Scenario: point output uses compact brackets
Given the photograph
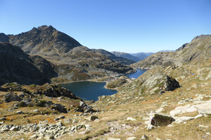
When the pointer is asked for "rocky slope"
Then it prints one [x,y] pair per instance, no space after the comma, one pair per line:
[197,51]
[71,61]
[16,66]
[127,55]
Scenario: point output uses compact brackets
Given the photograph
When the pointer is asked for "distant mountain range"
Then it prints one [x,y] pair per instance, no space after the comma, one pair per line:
[133,56]
[126,55]
[142,55]
[45,48]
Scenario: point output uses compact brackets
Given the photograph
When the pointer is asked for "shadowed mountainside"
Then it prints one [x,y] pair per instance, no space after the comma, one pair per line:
[16,66]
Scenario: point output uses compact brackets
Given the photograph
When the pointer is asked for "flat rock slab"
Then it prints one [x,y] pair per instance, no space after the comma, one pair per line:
[204,107]
[183,119]
[113,139]
[130,119]
[131,138]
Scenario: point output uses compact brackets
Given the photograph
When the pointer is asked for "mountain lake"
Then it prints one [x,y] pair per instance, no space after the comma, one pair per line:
[92,90]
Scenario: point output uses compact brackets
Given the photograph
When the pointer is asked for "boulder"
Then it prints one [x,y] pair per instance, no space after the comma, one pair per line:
[49,137]
[60,117]
[2,119]
[59,108]
[20,112]
[14,128]
[156,119]
[171,84]
[59,124]
[36,110]
[9,97]
[5,128]
[34,136]
[144,137]
[130,119]
[86,107]
[92,118]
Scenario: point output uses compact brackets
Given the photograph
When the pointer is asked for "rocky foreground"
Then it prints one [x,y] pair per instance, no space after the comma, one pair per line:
[169,107]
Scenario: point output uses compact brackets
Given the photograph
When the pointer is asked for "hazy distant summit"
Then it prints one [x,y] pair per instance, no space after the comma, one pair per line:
[142,55]
[126,55]
[133,56]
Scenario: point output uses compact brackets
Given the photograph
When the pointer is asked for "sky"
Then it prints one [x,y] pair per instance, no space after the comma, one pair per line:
[130,26]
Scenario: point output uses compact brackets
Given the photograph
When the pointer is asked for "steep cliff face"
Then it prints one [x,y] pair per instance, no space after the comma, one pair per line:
[197,51]
[16,66]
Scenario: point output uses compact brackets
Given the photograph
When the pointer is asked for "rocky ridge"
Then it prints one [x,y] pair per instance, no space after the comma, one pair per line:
[196,51]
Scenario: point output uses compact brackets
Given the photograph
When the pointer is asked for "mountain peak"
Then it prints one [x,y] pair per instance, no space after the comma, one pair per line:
[43,27]
[44,40]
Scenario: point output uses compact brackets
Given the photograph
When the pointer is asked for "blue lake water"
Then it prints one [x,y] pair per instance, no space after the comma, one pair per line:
[136,74]
[92,90]
[88,90]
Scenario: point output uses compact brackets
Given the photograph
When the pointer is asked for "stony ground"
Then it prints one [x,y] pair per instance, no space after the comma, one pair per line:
[123,116]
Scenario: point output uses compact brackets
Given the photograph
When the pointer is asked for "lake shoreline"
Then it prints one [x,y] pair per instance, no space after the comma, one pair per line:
[87,94]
